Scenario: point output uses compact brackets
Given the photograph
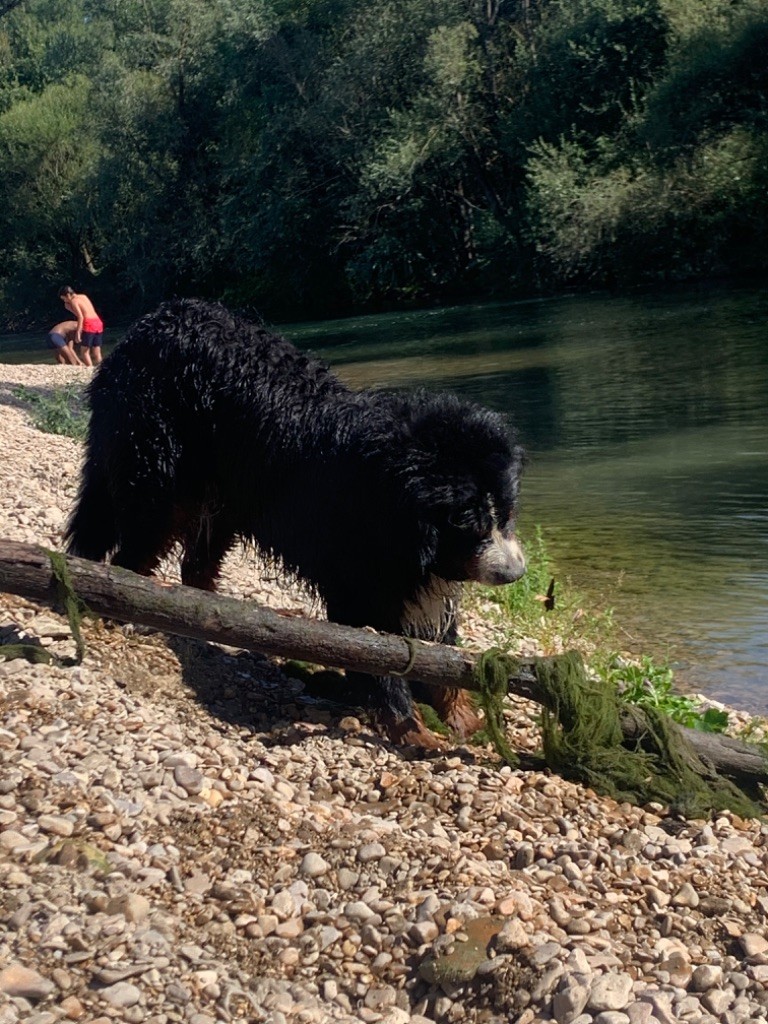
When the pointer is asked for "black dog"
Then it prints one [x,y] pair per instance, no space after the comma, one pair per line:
[207,429]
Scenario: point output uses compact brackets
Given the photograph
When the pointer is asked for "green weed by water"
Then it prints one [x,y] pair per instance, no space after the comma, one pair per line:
[647,684]
[543,607]
[60,411]
[559,618]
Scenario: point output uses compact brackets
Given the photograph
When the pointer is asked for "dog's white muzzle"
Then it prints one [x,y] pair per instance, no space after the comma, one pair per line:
[498,561]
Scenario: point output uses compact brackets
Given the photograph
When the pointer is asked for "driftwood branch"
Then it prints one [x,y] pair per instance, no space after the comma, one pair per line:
[119,594]
[27,571]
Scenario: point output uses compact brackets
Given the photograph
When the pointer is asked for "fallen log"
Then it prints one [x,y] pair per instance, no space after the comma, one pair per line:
[116,593]
[27,571]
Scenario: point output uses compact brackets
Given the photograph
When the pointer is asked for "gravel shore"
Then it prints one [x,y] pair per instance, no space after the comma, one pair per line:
[185,836]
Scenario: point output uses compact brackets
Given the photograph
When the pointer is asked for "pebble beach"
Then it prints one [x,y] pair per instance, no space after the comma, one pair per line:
[187,836]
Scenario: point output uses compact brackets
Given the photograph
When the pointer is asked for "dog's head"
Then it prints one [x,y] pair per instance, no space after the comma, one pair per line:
[458,468]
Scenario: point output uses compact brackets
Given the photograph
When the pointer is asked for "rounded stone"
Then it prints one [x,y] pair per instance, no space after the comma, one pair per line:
[313,865]
[121,995]
[132,906]
[190,779]
[705,977]
[610,992]
[370,852]
[22,982]
[56,824]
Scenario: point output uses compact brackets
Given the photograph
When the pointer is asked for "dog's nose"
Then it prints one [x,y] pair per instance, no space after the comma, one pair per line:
[512,565]
[499,561]
[509,573]
[511,569]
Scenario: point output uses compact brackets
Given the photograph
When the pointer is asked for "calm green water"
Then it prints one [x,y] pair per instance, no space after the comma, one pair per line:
[646,425]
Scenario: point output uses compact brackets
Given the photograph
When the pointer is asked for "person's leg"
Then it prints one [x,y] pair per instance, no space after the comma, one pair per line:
[66,354]
[88,339]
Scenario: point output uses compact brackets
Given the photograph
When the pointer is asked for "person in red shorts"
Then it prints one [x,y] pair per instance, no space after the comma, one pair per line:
[90,328]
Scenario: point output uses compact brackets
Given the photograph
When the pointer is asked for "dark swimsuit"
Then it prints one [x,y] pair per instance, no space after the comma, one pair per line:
[93,328]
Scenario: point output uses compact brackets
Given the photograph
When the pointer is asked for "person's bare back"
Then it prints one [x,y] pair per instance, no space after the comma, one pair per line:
[82,304]
[61,339]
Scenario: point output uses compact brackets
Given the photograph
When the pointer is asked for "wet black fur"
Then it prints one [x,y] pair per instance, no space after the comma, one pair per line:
[207,429]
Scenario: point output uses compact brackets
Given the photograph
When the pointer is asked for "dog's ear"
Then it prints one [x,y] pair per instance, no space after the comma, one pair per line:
[448,453]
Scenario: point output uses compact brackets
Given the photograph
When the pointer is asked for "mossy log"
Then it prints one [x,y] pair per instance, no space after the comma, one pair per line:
[27,571]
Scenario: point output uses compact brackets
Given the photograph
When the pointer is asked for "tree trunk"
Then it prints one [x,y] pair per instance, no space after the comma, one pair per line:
[27,571]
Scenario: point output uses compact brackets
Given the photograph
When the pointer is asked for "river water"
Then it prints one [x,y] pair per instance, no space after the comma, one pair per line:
[646,426]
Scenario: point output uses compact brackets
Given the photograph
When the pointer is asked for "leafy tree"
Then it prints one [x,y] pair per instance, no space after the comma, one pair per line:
[43,42]
[433,211]
[589,67]
[46,217]
[680,189]
[718,78]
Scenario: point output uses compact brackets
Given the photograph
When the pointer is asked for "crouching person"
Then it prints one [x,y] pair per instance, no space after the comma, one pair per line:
[61,339]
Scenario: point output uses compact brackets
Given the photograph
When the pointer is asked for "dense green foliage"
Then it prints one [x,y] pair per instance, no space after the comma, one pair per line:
[313,155]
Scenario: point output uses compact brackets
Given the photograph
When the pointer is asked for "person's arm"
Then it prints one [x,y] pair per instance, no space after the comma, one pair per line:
[73,358]
[77,308]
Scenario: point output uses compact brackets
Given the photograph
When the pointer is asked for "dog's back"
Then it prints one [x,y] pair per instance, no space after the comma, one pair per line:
[193,400]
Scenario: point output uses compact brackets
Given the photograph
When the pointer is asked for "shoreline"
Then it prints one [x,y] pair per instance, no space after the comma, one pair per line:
[185,836]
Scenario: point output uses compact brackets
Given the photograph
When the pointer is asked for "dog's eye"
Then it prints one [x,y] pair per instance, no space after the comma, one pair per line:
[469,522]
[457,520]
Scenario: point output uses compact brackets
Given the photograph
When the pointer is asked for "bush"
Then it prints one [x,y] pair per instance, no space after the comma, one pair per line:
[61,411]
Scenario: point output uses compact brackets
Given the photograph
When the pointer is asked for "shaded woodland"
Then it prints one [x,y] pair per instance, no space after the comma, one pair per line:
[309,157]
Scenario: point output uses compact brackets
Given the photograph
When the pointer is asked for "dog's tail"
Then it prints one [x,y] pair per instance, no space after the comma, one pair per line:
[91,531]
